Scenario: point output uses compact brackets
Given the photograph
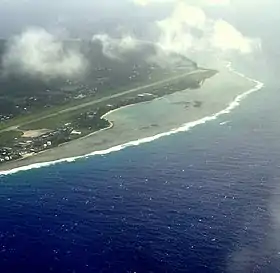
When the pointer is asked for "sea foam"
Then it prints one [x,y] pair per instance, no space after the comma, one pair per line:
[183,128]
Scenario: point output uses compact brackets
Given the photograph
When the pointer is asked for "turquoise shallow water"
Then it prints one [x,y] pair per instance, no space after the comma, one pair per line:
[149,121]
[205,200]
[175,110]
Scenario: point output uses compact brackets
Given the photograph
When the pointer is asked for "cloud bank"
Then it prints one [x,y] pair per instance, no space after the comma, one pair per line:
[36,52]
[115,48]
[189,29]
[192,2]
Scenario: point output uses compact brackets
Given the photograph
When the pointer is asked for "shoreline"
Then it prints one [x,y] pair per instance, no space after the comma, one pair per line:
[181,128]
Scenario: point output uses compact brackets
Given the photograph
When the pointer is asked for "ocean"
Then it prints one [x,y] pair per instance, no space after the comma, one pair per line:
[205,200]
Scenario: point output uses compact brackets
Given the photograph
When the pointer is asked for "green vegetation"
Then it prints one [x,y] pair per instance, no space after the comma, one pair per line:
[73,108]
[22,96]
[158,90]
[7,137]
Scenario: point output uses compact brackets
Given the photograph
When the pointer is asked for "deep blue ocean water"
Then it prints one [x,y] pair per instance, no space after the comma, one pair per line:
[207,200]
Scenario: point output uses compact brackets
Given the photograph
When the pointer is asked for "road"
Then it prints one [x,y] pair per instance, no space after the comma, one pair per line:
[104,99]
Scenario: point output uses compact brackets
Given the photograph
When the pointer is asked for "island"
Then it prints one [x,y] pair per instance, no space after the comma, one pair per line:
[115,103]
[41,114]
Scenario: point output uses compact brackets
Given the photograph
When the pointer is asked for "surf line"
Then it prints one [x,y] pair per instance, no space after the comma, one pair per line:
[183,128]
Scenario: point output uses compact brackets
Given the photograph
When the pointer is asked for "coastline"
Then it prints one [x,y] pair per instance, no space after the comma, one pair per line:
[70,152]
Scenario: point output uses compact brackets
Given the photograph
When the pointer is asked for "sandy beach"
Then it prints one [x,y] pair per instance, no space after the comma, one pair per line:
[148,119]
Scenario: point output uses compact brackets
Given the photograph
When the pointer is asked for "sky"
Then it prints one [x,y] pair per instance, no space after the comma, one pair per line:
[18,14]
[256,18]
[225,27]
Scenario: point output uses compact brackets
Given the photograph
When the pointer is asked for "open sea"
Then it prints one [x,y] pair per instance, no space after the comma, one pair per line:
[206,200]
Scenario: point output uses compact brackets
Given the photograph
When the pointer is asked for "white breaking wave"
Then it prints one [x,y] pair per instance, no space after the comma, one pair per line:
[224,123]
[183,128]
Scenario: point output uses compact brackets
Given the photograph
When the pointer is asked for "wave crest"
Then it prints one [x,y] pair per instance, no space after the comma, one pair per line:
[183,128]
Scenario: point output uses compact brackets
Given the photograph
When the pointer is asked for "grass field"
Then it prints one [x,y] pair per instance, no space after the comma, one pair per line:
[7,137]
[63,118]
[59,116]
[40,113]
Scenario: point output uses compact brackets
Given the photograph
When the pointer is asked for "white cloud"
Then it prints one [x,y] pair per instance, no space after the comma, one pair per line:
[115,48]
[226,37]
[216,2]
[37,52]
[188,28]
[175,32]
[187,31]
[149,2]
[191,2]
